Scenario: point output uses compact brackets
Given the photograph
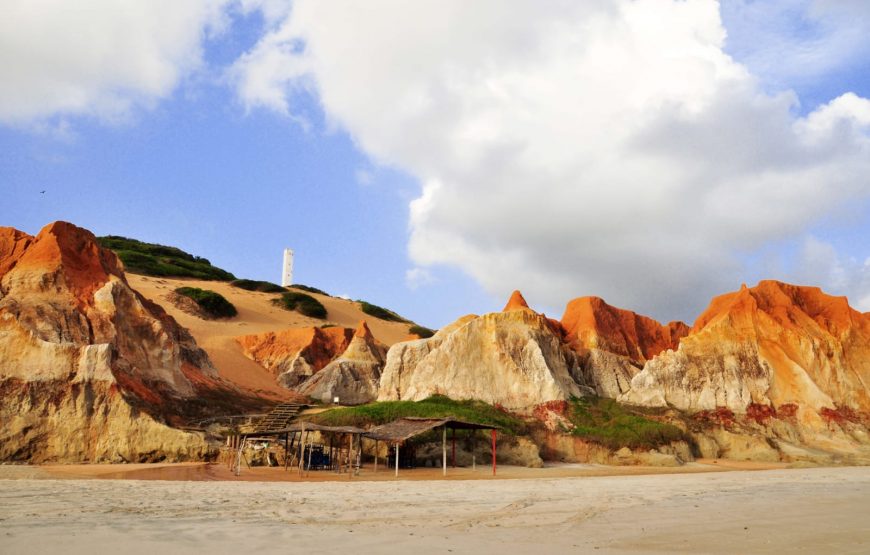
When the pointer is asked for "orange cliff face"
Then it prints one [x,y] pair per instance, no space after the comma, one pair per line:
[774,344]
[69,322]
[296,354]
[591,323]
[516,302]
[69,255]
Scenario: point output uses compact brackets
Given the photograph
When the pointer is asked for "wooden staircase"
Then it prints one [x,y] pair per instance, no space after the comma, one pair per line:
[279,417]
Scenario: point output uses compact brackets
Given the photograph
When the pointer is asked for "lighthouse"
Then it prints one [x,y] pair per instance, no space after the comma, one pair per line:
[287,274]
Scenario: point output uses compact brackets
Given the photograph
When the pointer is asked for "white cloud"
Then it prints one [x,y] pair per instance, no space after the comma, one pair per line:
[418,277]
[602,147]
[819,263]
[97,57]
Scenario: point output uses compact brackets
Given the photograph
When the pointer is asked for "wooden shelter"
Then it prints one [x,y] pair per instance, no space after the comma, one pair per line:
[299,447]
[399,431]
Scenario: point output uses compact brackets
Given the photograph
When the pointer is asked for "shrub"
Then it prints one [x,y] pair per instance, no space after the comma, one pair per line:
[302,303]
[436,406]
[213,304]
[159,260]
[254,285]
[420,331]
[380,312]
[310,289]
[606,422]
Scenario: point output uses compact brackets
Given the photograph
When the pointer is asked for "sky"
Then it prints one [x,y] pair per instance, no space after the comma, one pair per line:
[433,156]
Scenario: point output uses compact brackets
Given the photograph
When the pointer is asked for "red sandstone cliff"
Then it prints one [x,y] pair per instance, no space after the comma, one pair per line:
[296,354]
[771,345]
[89,370]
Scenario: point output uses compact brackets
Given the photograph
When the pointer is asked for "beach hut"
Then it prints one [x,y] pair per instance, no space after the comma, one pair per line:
[298,443]
[399,431]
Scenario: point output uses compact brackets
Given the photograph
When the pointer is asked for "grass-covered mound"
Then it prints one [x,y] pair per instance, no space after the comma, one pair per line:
[437,406]
[302,303]
[159,260]
[380,312]
[420,331]
[211,303]
[606,422]
[310,289]
[261,286]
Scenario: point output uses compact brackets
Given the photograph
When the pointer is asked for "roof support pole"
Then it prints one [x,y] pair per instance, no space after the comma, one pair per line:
[397,459]
[376,457]
[453,436]
[444,451]
[493,452]
[286,450]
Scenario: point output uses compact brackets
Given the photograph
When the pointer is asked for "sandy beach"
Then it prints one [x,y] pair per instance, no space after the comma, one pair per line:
[817,510]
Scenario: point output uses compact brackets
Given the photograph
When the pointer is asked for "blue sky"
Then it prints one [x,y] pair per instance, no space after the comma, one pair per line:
[210,159]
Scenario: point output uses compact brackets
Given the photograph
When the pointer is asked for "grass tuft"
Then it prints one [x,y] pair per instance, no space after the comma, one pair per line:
[261,286]
[436,406]
[213,304]
[606,422]
[310,289]
[302,303]
[380,312]
[420,331]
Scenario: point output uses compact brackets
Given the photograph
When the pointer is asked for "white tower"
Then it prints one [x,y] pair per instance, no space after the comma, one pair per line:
[287,275]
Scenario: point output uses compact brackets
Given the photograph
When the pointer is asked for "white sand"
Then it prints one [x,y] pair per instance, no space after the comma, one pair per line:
[822,510]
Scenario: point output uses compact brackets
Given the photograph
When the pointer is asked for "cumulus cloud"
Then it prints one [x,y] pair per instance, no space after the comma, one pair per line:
[97,57]
[568,148]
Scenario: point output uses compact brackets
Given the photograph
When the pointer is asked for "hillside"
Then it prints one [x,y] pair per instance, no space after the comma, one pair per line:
[256,315]
[160,260]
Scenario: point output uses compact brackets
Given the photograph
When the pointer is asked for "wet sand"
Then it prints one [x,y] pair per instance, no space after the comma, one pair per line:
[819,510]
[212,472]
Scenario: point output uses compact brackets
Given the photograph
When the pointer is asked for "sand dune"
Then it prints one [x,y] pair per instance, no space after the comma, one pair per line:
[257,314]
[779,511]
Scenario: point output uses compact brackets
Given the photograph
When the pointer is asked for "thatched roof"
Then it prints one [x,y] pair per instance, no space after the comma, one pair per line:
[300,426]
[404,429]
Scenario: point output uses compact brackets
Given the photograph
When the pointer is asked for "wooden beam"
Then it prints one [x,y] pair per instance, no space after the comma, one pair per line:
[376,457]
[444,451]
[493,452]
[397,459]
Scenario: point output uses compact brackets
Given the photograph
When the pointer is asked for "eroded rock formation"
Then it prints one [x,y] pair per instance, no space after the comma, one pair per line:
[296,354]
[772,345]
[354,376]
[613,344]
[89,370]
[513,358]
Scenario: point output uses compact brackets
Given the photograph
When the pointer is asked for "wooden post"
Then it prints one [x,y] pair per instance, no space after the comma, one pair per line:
[310,449]
[397,460]
[350,456]
[453,436]
[444,451]
[286,450]
[376,457]
[493,452]
[474,450]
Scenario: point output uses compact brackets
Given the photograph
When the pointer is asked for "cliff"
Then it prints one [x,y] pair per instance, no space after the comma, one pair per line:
[514,358]
[353,377]
[774,345]
[89,370]
[613,344]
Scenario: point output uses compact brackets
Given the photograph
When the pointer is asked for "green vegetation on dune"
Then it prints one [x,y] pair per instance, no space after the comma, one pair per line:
[302,303]
[606,422]
[437,406]
[213,304]
[261,286]
[420,331]
[380,312]
[310,289]
[159,260]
